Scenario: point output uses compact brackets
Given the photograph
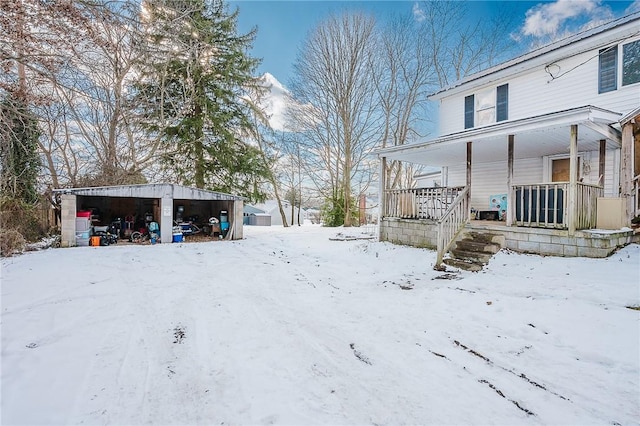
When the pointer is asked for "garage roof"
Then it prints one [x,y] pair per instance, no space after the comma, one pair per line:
[151,190]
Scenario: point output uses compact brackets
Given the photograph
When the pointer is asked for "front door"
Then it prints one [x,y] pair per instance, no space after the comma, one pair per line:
[560,170]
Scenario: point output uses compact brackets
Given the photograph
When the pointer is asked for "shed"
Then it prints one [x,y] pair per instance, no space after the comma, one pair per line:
[251,210]
[165,202]
[260,219]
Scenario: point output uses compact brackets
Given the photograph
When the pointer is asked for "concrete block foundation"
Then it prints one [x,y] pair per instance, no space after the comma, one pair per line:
[547,242]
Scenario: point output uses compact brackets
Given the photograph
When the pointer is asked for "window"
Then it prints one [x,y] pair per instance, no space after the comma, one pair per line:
[486,107]
[468,111]
[631,63]
[502,106]
[608,64]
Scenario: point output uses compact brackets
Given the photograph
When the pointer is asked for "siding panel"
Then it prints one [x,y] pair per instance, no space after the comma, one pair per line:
[491,178]
[566,83]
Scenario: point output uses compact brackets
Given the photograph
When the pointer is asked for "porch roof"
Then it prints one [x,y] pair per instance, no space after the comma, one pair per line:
[631,115]
[537,136]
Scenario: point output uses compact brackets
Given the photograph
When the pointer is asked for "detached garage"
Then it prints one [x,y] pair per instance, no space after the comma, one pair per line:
[166,204]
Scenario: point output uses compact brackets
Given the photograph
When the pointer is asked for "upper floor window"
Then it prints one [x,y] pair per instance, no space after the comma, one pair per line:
[608,67]
[486,107]
[502,105]
[631,63]
[608,64]
[469,111]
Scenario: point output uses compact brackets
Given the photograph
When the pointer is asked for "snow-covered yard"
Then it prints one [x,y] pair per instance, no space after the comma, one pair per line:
[288,327]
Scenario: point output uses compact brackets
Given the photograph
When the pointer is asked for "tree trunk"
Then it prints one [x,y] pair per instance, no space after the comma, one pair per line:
[199,136]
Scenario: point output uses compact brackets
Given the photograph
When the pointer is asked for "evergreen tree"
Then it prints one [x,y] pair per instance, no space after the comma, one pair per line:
[18,151]
[194,94]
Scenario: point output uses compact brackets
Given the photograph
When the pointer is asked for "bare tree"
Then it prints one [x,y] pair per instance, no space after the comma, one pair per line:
[333,82]
[416,57]
[405,74]
[72,61]
[460,46]
[90,98]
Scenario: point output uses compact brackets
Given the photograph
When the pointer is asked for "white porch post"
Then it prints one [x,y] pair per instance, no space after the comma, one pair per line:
[469,155]
[382,185]
[573,179]
[510,206]
[469,165]
[444,174]
[601,161]
[626,170]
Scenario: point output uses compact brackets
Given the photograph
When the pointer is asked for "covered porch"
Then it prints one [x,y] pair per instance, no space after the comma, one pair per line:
[544,173]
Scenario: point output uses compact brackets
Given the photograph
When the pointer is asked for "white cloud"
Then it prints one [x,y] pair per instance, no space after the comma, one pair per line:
[275,103]
[633,7]
[418,13]
[548,20]
[278,104]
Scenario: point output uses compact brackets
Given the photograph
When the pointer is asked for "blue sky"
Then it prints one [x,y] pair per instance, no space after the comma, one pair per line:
[284,25]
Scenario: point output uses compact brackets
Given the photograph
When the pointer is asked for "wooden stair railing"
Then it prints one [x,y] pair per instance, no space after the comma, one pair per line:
[451,223]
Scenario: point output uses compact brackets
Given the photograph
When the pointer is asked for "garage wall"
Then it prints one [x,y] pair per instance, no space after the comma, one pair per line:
[68,220]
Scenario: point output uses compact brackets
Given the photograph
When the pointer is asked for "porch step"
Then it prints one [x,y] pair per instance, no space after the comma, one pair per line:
[486,237]
[478,246]
[474,249]
[472,256]
[463,264]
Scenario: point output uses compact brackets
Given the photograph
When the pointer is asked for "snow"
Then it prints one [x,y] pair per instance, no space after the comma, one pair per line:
[290,327]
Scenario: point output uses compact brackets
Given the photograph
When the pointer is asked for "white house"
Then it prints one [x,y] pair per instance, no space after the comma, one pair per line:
[553,133]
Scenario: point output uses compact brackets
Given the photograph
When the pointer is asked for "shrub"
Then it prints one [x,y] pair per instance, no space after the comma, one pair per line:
[11,242]
[18,217]
[332,211]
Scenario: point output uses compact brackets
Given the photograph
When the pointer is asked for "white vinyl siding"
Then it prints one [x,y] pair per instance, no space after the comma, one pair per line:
[571,83]
[491,178]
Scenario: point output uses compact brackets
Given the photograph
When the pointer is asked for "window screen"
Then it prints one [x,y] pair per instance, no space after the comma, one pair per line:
[502,104]
[607,78]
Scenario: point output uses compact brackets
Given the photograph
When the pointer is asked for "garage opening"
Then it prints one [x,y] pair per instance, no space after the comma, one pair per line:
[125,210]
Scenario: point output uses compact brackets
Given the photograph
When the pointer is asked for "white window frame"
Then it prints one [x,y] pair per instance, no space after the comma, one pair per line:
[621,60]
[486,101]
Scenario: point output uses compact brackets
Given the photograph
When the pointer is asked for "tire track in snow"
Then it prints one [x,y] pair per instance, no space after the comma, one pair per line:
[484,363]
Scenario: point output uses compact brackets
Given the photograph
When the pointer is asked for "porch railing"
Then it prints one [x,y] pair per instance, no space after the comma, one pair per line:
[545,205]
[587,198]
[420,203]
[451,223]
